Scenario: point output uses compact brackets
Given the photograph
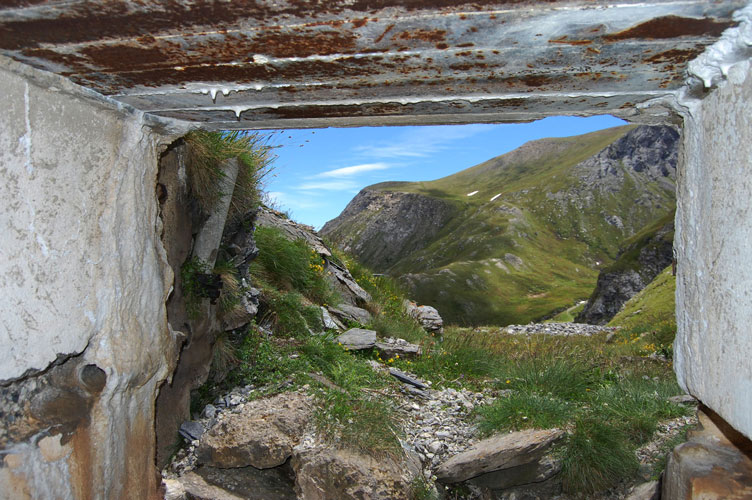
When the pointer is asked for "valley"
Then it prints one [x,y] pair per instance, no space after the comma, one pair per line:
[519,237]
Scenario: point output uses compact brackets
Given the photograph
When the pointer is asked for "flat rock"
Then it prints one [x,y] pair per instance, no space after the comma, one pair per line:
[406,379]
[261,435]
[394,347]
[498,452]
[323,473]
[191,430]
[683,399]
[532,472]
[347,312]
[356,339]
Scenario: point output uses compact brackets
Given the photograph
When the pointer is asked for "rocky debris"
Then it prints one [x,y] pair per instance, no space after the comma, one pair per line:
[323,472]
[357,339]
[650,490]
[714,463]
[649,453]
[438,426]
[346,312]
[497,453]
[407,379]
[391,347]
[564,329]
[427,316]
[261,433]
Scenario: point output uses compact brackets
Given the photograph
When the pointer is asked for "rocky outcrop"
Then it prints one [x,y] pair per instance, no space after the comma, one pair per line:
[379,227]
[642,259]
[337,275]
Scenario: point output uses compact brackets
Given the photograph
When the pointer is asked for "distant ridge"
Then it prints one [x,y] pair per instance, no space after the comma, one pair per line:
[539,223]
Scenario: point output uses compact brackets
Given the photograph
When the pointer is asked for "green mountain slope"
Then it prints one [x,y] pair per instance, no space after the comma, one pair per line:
[530,240]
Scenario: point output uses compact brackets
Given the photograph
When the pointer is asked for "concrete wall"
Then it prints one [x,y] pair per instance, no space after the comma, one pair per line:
[84,282]
[713,349]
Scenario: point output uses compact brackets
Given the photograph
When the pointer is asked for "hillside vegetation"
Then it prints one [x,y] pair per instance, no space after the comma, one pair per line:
[518,237]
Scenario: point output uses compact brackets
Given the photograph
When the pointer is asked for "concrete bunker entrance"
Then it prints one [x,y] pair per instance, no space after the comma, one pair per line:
[90,167]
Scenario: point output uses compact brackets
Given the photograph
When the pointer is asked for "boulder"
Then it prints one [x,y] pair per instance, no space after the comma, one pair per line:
[247,483]
[427,316]
[347,312]
[262,434]
[323,473]
[497,453]
[357,339]
[714,463]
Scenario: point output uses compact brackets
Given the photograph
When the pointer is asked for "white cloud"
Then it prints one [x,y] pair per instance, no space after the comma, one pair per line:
[335,185]
[353,170]
[421,141]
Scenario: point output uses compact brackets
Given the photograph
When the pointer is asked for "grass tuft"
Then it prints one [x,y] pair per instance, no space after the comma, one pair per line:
[596,457]
[523,411]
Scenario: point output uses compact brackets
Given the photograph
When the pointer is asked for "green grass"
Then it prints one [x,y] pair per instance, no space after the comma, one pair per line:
[522,410]
[291,265]
[568,315]
[609,396]
[647,320]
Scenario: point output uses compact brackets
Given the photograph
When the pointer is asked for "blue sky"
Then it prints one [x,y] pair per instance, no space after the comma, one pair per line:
[318,171]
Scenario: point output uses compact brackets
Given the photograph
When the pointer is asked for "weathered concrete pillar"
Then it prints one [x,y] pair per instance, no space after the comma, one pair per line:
[84,281]
[713,348]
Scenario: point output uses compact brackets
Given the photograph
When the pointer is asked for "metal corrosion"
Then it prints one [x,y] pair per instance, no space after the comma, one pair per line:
[264,63]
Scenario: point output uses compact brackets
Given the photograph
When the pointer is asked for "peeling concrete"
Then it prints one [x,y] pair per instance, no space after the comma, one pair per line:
[84,280]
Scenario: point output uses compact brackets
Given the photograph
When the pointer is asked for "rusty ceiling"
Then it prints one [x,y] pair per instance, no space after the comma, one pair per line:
[293,63]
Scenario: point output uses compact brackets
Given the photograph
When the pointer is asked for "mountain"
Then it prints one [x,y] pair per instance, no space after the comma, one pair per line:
[519,236]
[644,256]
